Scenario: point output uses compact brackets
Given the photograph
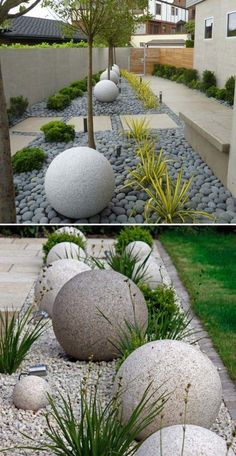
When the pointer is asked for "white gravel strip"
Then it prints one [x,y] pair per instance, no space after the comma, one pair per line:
[64,377]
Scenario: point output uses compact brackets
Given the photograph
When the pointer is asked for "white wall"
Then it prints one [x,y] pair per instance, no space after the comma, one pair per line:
[166,12]
[137,39]
[39,73]
[231,184]
[219,53]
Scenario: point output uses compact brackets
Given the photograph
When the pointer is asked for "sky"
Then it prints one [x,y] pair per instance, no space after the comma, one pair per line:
[38,11]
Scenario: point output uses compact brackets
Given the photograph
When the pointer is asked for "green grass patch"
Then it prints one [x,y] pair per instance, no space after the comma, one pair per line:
[206,263]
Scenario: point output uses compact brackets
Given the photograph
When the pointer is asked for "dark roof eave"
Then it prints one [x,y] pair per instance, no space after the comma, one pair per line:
[41,38]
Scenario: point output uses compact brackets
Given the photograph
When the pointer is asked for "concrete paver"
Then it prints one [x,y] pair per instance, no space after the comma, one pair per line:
[33,124]
[155,121]
[18,142]
[101,123]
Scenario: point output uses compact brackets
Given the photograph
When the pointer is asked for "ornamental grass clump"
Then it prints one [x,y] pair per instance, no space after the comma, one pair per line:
[138,129]
[17,335]
[142,89]
[128,264]
[99,430]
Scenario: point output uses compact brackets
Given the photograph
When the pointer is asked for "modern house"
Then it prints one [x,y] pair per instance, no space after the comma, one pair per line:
[35,30]
[215,37]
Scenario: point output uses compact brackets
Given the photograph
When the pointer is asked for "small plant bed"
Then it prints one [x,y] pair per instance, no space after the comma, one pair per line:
[175,167]
[206,263]
[83,388]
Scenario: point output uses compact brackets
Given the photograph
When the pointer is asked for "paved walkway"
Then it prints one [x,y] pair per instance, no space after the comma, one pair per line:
[206,345]
[180,98]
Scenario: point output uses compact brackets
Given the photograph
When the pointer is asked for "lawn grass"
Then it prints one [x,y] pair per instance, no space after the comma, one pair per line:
[206,263]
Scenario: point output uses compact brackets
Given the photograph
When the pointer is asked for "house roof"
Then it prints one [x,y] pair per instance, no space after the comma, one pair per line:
[26,27]
[166,43]
[190,3]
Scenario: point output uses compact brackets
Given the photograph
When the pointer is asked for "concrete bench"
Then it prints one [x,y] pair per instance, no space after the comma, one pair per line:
[210,137]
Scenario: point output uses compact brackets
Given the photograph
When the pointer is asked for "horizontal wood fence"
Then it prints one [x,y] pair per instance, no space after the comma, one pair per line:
[179,57]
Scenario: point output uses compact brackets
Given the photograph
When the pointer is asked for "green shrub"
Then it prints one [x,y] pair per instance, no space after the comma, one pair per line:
[220,94]
[82,85]
[180,79]
[190,75]
[56,238]
[199,86]
[230,90]
[16,338]
[208,79]
[28,159]
[211,92]
[18,106]
[58,102]
[130,234]
[162,299]
[193,84]
[189,43]
[57,131]
[72,92]
[180,71]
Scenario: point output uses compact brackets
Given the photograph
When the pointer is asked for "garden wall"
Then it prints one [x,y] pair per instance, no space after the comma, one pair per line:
[179,57]
[38,73]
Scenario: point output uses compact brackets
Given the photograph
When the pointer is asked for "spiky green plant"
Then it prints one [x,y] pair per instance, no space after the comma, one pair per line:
[128,264]
[99,431]
[138,129]
[17,337]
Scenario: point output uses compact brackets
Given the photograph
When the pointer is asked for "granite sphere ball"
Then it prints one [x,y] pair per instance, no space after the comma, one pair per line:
[91,309]
[113,76]
[53,278]
[198,441]
[30,393]
[153,271]
[139,248]
[73,231]
[106,91]
[116,70]
[176,368]
[65,250]
[79,183]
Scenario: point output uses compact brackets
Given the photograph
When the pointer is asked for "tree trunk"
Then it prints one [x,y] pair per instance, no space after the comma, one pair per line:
[109,60]
[114,58]
[91,141]
[7,191]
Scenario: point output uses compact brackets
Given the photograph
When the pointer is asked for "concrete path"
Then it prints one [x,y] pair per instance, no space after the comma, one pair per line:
[180,98]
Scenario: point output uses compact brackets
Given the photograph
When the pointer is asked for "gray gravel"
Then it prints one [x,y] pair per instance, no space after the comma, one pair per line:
[207,192]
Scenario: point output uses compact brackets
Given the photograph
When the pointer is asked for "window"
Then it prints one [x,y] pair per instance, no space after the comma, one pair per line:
[176,11]
[209,27]
[231,24]
[172,11]
[158,9]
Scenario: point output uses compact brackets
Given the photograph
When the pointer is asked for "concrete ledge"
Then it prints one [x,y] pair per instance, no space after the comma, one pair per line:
[211,147]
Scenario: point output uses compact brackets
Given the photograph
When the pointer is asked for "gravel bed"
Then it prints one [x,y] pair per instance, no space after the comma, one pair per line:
[127,205]
[64,377]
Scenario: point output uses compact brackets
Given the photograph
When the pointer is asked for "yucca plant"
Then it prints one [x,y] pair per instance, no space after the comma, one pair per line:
[99,430]
[138,129]
[17,337]
[151,167]
[168,200]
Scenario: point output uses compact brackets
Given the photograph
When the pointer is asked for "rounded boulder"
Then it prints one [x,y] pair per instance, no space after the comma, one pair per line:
[175,368]
[152,272]
[52,278]
[30,393]
[79,183]
[198,441]
[113,76]
[91,309]
[139,249]
[116,69]
[106,91]
[65,250]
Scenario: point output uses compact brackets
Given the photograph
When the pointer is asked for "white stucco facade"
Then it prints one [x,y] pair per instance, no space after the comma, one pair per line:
[167,10]
[218,53]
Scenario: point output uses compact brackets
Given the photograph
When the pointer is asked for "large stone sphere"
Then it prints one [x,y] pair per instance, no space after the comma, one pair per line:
[65,250]
[152,269]
[116,70]
[53,278]
[30,393]
[171,366]
[106,91]
[139,248]
[113,76]
[73,231]
[79,182]
[90,310]
[198,441]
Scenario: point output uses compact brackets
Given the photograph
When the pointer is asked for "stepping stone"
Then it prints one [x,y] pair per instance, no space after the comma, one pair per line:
[156,121]
[101,123]
[18,142]
[33,124]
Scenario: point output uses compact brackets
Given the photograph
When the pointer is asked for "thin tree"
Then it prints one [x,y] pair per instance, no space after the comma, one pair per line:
[90,16]
[7,192]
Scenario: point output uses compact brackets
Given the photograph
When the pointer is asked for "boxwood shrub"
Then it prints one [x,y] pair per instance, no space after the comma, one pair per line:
[208,79]
[130,234]
[17,108]
[56,238]
[81,85]
[72,92]
[57,131]
[211,92]
[230,90]
[28,159]
[58,102]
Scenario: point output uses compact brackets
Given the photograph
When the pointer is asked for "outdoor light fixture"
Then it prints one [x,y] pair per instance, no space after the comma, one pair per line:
[160,97]
[85,125]
[118,151]
[140,79]
[40,370]
[119,89]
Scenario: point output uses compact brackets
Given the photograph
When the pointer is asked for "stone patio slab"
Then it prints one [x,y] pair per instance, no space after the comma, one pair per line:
[101,123]
[156,121]
[33,124]
[18,142]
